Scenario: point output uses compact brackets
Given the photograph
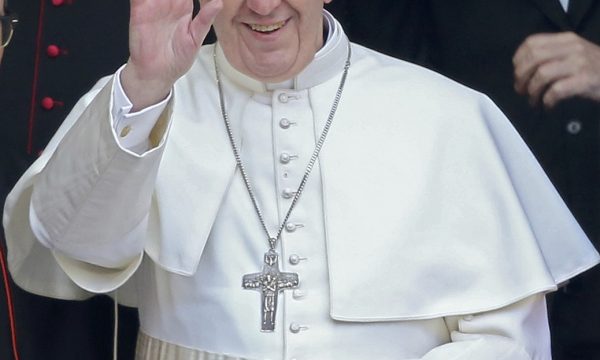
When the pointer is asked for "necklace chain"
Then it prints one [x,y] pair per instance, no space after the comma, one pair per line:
[238,159]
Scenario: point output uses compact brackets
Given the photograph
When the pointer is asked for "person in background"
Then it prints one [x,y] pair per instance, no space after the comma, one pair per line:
[7,26]
[8,344]
[48,66]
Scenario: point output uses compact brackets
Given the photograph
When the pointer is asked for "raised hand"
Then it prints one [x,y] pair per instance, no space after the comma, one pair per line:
[163,43]
[552,67]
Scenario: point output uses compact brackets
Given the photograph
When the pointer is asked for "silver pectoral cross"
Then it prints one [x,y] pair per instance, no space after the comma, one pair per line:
[270,282]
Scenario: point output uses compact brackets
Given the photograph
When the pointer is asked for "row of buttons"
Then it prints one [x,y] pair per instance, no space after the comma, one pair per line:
[53,51]
[285,158]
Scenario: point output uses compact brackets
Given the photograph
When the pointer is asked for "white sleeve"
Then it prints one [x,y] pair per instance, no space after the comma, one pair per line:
[90,203]
[132,130]
[519,331]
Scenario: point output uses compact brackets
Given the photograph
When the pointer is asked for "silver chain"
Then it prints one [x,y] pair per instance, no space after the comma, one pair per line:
[238,159]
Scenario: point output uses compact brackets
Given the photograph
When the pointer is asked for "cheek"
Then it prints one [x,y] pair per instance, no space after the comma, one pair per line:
[224,24]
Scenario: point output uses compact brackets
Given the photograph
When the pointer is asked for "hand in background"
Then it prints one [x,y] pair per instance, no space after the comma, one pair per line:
[552,67]
[163,43]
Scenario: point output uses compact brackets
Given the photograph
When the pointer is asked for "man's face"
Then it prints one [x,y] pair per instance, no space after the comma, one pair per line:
[270,40]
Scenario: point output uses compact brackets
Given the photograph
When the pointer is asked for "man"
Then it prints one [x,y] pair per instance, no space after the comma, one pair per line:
[409,235]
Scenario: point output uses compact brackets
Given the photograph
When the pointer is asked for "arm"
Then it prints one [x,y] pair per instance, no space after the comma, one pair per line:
[550,68]
[516,332]
[90,203]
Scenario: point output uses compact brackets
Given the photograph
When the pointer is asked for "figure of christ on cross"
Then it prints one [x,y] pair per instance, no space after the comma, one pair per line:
[270,282]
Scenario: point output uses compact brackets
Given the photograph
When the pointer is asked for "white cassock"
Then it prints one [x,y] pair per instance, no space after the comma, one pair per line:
[426,231]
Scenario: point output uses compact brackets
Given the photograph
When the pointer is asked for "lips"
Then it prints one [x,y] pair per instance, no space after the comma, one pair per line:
[267,28]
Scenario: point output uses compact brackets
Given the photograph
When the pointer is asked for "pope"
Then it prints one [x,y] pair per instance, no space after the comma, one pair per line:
[287,194]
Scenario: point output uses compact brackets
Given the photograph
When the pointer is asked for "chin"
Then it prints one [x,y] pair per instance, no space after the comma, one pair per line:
[273,74]
[272,71]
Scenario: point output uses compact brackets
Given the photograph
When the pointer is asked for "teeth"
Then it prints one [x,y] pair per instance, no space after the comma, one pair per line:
[267,28]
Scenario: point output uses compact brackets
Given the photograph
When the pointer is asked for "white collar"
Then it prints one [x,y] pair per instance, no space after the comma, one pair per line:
[328,61]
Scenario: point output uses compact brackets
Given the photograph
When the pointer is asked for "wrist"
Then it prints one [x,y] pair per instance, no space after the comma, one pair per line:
[143,91]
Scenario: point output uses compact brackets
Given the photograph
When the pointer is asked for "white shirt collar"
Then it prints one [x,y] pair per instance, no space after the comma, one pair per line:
[328,61]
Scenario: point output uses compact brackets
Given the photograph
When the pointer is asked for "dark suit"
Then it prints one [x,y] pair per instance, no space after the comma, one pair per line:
[473,41]
[91,40]
[392,27]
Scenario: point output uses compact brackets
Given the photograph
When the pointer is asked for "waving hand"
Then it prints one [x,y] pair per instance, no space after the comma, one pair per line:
[163,42]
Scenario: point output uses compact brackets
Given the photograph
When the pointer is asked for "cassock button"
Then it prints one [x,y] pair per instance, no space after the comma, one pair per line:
[295,328]
[294,259]
[47,103]
[53,51]
[574,127]
[284,123]
[288,193]
[283,98]
[298,294]
[290,227]
[284,158]
[58,2]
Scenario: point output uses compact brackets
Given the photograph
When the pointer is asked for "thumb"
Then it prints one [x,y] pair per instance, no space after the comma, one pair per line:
[201,24]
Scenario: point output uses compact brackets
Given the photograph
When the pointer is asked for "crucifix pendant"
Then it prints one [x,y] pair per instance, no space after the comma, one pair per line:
[270,282]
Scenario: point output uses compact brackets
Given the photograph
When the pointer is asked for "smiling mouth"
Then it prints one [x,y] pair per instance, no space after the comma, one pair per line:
[267,28]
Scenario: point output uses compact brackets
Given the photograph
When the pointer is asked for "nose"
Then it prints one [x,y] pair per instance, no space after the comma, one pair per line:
[263,7]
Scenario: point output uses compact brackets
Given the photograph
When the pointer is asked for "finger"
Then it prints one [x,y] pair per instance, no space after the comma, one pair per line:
[561,90]
[546,75]
[203,21]
[523,73]
[535,51]
[545,46]
[579,85]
